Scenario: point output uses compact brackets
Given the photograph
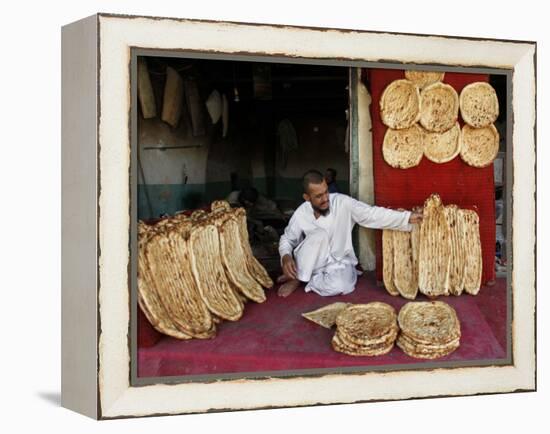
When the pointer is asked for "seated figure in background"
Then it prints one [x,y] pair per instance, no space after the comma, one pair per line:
[262,214]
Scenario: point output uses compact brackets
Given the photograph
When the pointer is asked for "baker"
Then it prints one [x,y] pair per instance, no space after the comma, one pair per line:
[316,246]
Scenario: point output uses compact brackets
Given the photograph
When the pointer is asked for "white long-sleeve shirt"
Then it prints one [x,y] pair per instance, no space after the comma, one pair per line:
[344,213]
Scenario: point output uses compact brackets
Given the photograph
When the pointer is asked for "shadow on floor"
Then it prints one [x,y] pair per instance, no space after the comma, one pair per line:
[53,398]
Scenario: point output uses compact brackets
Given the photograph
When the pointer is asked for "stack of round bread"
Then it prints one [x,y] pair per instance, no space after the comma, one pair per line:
[195,271]
[366,329]
[429,330]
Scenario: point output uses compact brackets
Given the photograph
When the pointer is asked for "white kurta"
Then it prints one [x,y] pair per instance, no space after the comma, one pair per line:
[322,247]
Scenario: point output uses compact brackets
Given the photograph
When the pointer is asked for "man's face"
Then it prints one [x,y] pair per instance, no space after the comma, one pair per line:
[317,195]
[328,176]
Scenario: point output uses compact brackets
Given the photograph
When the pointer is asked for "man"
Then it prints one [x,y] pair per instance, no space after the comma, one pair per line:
[316,246]
[264,219]
[256,205]
[330,178]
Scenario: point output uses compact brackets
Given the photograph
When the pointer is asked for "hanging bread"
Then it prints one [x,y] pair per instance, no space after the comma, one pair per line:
[402,149]
[479,104]
[400,104]
[424,78]
[439,107]
[441,147]
[479,146]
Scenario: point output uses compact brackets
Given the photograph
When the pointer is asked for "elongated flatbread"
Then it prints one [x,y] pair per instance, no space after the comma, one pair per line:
[169,261]
[234,259]
[479,104]
[479,146]
[403,148]
[435,249]
[415,248]
[400,104]
[220,205]
[198,215]
[441,147]
[148,297]
[473,256]
[439,107]
[457,264]
[424,78]
[215,289]
[387,262]
[254,267]
[404,277]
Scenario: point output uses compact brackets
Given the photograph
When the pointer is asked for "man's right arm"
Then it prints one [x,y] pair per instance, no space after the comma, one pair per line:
[287,243]
[290,238]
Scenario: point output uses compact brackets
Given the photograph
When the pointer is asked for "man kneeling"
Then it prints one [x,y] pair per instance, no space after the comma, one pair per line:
[316,246]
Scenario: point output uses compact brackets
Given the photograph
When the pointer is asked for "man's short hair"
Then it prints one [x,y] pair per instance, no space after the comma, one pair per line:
[312,177]
[333,171]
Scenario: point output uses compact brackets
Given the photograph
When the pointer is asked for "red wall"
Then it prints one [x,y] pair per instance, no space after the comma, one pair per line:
[455,181]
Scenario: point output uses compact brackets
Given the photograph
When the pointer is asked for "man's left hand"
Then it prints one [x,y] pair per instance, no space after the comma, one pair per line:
[416,217]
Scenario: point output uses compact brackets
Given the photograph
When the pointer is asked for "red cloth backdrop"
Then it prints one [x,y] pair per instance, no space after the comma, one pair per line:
[455,181]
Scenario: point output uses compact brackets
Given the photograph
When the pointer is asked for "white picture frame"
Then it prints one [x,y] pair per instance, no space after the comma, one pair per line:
[96,212]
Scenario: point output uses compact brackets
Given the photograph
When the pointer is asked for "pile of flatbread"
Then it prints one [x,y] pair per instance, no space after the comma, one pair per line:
[441,256]
[428,330]
[421,114]
[195,271]
[366,329]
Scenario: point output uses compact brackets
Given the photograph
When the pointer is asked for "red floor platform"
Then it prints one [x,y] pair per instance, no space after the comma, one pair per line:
[273,336]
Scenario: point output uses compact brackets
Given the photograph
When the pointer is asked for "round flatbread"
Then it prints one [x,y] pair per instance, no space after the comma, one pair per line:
[479,104]
[402,149]
[400,104]
[428,348]
[441,147]
[429,322]
[424,78]
[415,351]
[439,107]
[367,324]
[479,146]
[377,350]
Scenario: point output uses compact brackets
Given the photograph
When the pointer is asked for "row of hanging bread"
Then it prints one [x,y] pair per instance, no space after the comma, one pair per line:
[178,92]
[421,114]
[440,256]
[195,271]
